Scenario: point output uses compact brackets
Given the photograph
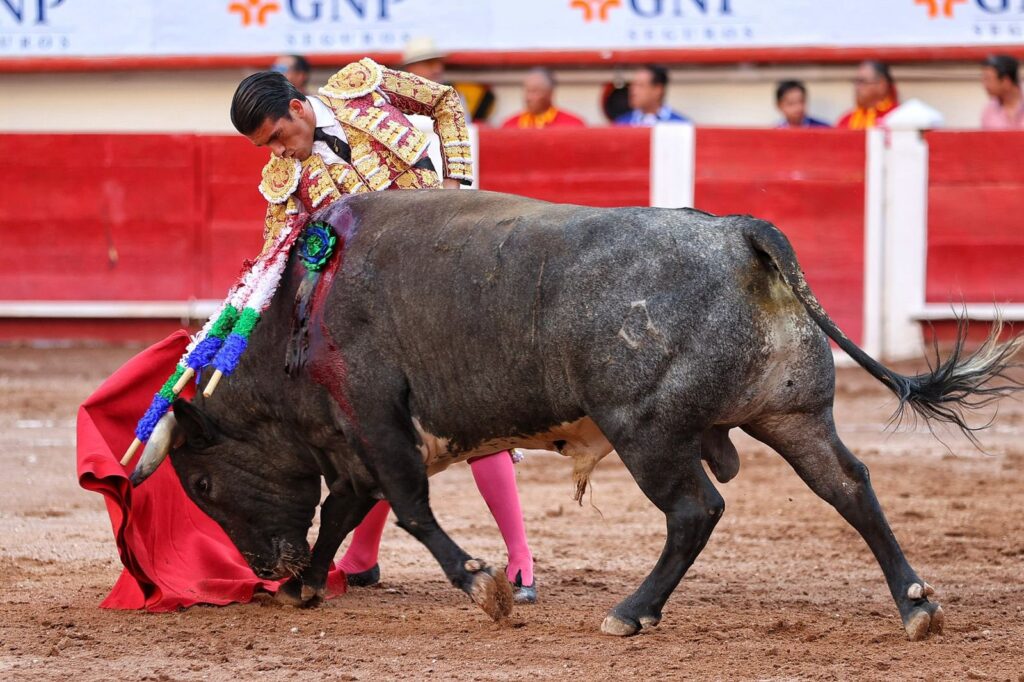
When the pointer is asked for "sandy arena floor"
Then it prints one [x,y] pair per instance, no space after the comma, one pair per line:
[784,589]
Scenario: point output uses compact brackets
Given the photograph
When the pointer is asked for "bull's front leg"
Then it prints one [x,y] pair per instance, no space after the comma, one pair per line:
[391,456]
[339,515]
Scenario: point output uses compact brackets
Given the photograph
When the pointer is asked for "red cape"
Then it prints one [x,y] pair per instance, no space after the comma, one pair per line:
[174,555]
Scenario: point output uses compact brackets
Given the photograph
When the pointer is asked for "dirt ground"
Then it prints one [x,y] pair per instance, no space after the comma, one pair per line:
[784,589]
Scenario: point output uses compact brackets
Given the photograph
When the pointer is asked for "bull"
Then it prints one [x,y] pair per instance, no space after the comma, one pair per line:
[459,324]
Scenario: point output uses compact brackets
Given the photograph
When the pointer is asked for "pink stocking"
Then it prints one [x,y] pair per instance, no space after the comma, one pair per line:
[495,477]
[362,553]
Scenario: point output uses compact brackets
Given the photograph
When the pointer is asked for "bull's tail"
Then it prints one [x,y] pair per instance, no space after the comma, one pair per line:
[954,385]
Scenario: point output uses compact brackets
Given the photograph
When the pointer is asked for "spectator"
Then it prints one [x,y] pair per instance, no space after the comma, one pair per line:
[1005,111]
[791,99]
[875,95]
[538,90]
[647,99]
[615,99]
[421,57]
[295,68]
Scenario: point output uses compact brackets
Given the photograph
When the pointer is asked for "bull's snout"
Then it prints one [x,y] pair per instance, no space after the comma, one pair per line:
[274,573]
[285,559]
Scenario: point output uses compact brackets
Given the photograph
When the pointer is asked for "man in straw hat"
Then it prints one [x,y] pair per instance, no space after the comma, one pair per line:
[421,57]
[355,137]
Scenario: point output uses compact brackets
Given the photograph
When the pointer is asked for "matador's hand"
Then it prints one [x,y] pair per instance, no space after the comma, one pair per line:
[450,183]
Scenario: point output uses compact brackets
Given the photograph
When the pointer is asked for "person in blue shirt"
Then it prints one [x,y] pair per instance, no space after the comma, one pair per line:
[791,99]
[647,99]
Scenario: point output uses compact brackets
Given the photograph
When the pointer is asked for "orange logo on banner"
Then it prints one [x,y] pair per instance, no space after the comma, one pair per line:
[934,6]
[254,11]
[595,8]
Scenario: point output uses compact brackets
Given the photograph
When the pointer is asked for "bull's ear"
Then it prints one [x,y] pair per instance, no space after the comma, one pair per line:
[200,431]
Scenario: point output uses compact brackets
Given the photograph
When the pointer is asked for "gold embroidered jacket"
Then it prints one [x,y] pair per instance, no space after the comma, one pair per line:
[370,103]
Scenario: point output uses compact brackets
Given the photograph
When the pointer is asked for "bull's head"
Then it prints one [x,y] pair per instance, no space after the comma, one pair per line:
[261,496]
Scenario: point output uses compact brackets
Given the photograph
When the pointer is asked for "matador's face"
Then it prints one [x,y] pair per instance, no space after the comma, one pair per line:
[291,136]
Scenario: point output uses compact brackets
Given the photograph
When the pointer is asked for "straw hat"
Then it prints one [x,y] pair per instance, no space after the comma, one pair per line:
[420,50]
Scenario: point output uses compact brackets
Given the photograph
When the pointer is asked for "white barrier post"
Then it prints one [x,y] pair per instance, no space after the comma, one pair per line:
[874,241]
[673,146]
[905,243]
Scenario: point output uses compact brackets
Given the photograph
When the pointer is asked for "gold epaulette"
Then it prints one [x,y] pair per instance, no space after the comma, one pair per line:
[355,80]
[280,179]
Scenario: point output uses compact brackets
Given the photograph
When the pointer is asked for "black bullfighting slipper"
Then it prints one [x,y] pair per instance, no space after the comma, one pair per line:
[370,576]
[523,594]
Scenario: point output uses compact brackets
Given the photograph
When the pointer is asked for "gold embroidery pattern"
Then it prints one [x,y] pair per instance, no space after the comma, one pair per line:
[317,186]
[347,179]
[384,124]
[423,94]
[272,224]
[280,178]
[417,178]
[358,79]
[414,95]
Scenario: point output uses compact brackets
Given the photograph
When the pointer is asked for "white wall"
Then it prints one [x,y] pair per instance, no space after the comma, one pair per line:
[198,100]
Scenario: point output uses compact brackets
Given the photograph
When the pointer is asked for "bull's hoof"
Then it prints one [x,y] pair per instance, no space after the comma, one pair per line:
[491,593]
[627,619]
[309,593]
[294,593]
[618,627]
[649,621]
[926,619]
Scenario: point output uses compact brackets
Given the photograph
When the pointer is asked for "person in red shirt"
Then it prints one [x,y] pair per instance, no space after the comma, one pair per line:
[875,93]
[539,88]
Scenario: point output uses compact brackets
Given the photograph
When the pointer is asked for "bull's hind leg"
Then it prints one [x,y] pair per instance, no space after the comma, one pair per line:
[669,471]
[811,446]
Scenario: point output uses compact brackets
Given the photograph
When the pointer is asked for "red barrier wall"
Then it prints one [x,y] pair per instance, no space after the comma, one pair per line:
[809,183]
[172,217]
[126,217]
[589,166]
[233,209]
[975,217]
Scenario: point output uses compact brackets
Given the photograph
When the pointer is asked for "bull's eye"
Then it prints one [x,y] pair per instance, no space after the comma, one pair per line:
[202,485]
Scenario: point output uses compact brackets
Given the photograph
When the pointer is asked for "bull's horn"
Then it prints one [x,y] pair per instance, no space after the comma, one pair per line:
[157,447]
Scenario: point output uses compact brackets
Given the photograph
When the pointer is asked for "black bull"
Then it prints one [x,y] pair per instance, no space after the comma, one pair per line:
[464,323]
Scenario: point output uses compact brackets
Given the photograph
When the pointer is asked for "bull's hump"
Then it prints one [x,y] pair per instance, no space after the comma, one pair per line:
[581,440]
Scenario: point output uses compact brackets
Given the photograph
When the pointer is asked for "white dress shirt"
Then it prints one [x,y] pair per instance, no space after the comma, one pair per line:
[325,119]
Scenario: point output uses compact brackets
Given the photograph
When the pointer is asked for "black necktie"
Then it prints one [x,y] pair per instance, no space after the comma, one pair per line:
[337,145]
